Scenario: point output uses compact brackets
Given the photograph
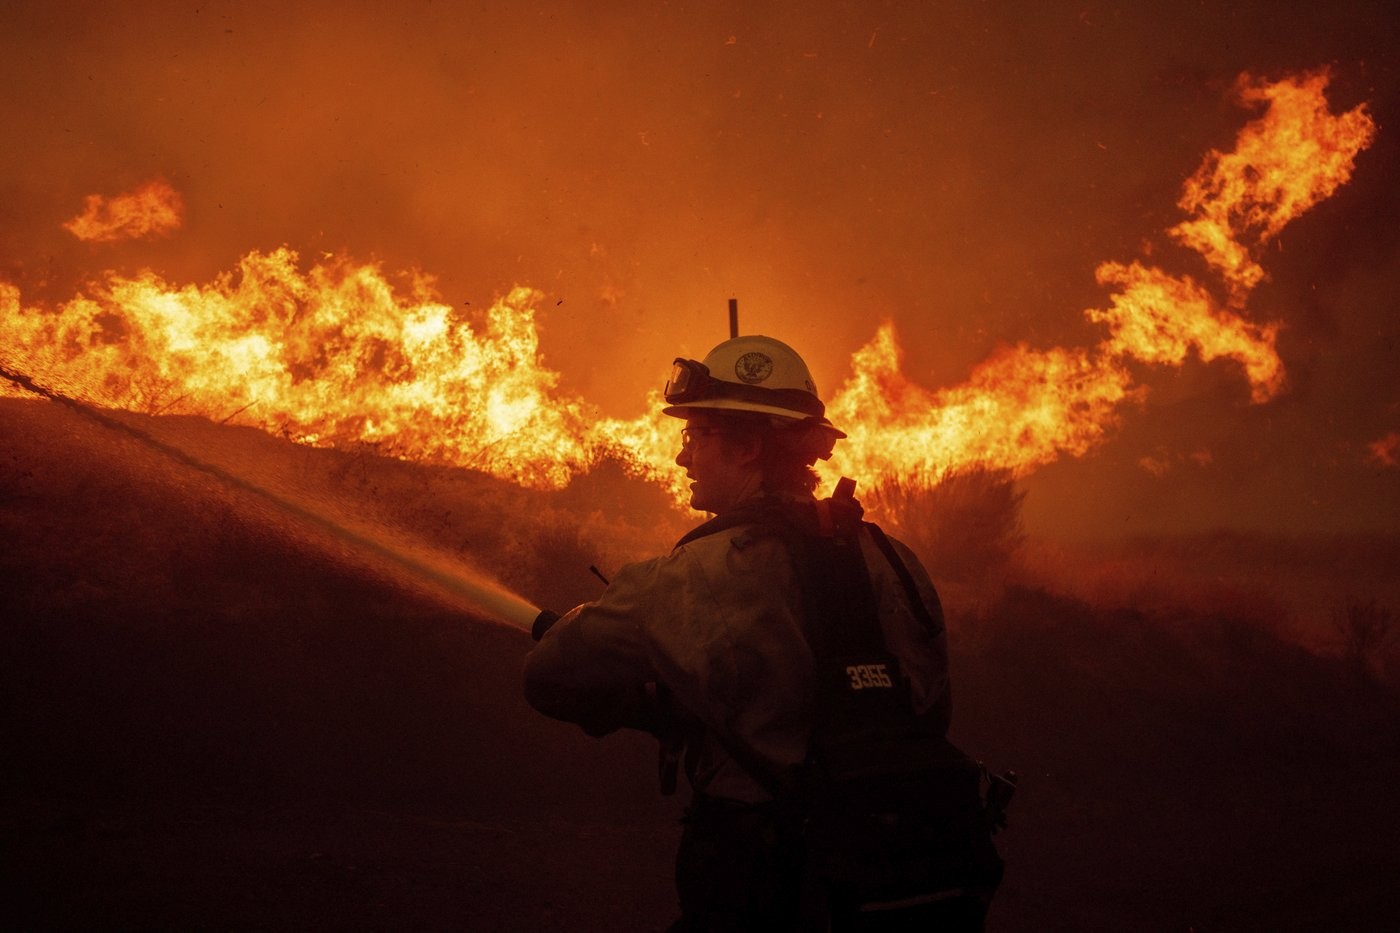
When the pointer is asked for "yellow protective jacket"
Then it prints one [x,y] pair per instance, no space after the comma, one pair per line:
[718,622]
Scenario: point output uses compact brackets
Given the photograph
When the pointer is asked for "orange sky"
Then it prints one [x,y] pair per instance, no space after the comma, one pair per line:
[960,169]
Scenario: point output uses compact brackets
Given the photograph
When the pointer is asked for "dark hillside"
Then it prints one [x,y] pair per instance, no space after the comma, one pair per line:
[210,719]
[215,714]
[1183,772]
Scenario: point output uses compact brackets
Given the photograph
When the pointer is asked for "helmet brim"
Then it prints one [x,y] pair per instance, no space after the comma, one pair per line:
[686,409]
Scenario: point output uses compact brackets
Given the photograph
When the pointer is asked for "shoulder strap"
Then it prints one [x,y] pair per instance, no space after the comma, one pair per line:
[906,579]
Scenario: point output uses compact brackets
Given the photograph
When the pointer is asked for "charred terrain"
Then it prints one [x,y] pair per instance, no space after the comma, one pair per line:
[218,714]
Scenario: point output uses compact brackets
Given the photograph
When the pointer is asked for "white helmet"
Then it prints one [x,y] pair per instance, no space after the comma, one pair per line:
[751,373]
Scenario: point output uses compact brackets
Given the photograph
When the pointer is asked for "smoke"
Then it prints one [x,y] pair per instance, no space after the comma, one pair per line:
[961,171]
[1021,408]
[1384,451]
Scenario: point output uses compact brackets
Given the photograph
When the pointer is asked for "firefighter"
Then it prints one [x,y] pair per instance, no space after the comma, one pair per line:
[705,646]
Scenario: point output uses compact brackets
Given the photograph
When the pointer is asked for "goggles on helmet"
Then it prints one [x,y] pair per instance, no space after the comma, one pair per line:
[688,382]
[691,382]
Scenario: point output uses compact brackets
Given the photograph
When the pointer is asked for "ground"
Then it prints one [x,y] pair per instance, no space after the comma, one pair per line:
[217,715]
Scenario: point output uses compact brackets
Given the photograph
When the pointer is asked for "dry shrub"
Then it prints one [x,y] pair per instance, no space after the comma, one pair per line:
[1364,629]
[622,518]
[966,529]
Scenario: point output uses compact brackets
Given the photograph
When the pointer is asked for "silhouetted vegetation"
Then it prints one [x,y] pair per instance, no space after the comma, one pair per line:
[966,529]
[1365,629]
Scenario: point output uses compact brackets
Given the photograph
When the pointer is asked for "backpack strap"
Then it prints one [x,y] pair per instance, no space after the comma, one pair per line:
[906,579]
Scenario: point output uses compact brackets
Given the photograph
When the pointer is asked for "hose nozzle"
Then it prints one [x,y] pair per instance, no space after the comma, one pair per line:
[543,623]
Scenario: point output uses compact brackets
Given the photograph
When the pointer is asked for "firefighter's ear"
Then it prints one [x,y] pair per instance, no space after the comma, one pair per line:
[747,448]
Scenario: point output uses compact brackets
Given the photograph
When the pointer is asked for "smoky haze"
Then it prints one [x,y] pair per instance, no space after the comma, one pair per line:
[957,169]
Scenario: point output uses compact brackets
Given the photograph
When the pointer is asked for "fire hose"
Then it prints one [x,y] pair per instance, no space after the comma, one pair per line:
[487,597]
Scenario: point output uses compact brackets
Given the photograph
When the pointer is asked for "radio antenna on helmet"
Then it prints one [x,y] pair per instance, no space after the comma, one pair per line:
[733,318]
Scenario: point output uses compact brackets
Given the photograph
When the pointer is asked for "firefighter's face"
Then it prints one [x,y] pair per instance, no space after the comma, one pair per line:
[721,462]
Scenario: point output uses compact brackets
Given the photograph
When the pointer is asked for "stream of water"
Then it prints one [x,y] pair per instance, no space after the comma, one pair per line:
[473,590]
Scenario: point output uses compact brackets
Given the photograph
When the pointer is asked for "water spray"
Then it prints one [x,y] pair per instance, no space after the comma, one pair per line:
[489,598]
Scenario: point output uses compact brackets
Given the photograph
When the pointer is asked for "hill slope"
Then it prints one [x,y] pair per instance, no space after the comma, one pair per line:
[216,713]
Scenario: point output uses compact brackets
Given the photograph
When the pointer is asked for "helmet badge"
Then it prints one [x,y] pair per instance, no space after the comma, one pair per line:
[754,367]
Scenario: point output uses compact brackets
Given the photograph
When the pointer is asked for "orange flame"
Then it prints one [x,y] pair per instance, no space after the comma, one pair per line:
[1024,408]
[152,209]
[338,354]
[1159,318]
[330,356]
[1295,155]
[1020,409]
